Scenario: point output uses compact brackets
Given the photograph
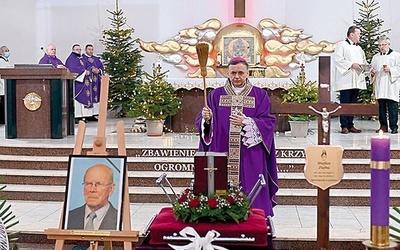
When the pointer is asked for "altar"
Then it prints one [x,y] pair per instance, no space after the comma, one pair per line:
[191,92]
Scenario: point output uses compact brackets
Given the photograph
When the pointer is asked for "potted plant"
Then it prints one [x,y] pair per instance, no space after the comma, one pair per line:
[155,99]
[302,92]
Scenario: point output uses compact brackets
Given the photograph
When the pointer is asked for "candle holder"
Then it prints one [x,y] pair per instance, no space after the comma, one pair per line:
[380,194]
[379,239]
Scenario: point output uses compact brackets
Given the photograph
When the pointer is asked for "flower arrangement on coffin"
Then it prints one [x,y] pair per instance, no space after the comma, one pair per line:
[234,206]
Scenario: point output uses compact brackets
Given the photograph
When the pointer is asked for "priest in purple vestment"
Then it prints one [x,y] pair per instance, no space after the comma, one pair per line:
[83,91]
[96,70]
[50,57]
[238,120]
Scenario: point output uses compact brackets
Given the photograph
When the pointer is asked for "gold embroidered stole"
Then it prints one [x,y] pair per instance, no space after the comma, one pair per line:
[237,102]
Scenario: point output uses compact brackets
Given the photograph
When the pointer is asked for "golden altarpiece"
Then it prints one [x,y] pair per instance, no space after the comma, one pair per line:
[273,51]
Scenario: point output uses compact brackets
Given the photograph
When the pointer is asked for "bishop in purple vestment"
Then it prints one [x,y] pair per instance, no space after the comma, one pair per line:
[75,64]
[240,113]
[50,57]
[96,69]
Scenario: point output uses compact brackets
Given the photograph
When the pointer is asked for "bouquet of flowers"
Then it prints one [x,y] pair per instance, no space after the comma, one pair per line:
[234,206]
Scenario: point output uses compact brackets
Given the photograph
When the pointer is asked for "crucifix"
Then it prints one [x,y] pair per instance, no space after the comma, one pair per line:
[324,108]
[210,175]
[240,8]
[325,121]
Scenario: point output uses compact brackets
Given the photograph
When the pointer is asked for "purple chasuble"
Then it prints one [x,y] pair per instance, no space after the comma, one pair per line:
[83,90]
[258,159]
[92,62]
[53,60]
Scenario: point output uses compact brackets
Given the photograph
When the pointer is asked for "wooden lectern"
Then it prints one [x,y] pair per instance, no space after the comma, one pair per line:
[38,102]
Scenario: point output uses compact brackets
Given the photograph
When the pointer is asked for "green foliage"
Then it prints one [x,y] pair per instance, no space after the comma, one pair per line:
[8,218]
[154,98]
[365,96]
[121,61]
[370,26]
[395,224]
[234,206]
[302,92]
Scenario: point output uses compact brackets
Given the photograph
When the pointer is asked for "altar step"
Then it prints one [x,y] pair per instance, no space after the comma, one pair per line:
[177,164]
[293,196]
[49,185]
[165,164]
[39,174]
[182,179]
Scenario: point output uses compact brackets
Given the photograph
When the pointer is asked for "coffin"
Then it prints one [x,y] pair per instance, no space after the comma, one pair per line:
[166,225]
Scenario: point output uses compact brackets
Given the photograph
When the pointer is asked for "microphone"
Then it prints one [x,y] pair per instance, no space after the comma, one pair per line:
[42,49]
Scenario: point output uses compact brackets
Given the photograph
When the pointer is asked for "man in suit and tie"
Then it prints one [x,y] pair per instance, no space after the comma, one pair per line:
[97,213]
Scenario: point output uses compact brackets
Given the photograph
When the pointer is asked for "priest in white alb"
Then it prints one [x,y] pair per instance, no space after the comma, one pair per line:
[386,69]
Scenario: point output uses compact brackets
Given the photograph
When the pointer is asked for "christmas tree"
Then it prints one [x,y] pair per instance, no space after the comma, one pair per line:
[155,98]
[121,61]
[370,26]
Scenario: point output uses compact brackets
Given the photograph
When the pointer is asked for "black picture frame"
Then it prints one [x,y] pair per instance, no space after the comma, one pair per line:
[86,193]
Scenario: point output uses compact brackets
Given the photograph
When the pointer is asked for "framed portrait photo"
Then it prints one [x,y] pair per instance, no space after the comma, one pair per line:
[94,193]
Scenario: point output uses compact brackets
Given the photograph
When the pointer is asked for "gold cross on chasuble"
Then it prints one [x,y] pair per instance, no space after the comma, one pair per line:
[237,103]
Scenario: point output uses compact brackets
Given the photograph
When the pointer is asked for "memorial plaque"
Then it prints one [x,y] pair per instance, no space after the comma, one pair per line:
[324,165]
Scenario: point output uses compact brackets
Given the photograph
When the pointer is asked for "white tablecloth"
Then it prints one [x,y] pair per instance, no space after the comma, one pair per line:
[191,83]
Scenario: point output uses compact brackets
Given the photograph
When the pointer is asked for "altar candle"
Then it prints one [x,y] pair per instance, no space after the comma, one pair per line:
[380,180]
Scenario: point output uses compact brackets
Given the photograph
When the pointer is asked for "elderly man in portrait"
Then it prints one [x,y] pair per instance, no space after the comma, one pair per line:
[97,213]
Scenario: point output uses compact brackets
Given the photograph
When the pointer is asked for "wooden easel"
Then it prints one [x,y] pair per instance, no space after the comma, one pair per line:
[99,148]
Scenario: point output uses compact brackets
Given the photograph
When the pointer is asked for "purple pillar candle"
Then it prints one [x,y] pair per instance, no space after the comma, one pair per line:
[380,148]
[380,180]
[380,197]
